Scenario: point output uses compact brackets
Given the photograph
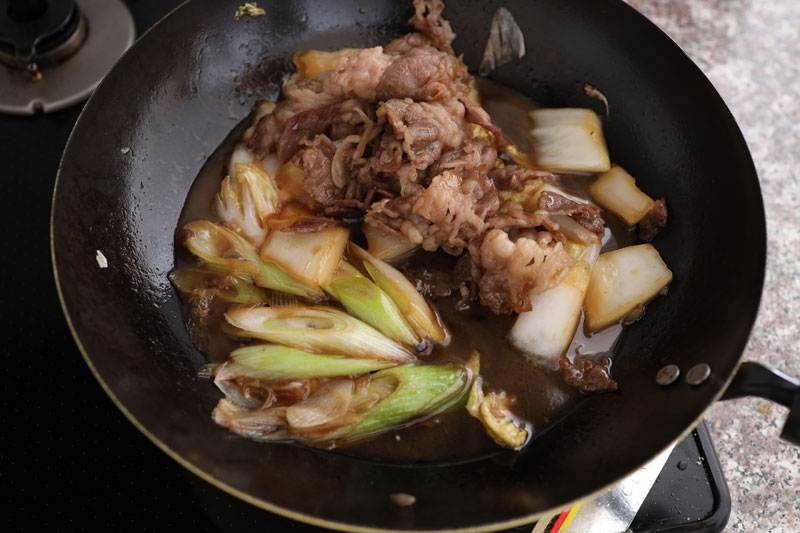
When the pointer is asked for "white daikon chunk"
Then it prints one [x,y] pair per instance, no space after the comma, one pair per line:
[621,281]
[568,140]
[547,329]
[616,191]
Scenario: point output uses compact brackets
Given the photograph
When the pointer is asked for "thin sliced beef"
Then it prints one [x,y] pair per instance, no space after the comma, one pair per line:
[316,161]
[586,374]
[266,135]
[653,220]
[370,75]
[403,44]
[352,117]
[424,128]
[407,177]
[311,224]
[466,275]
[449,213]
[584,214]
[423,74]
[301,96]
[475,156]
[337,120]
[305,125]
[456,209]
[389,153]
[477,115]
[344,159]
[358,74]
[512,269]
[514,177]
[427,19]
[447,209]
[515,219]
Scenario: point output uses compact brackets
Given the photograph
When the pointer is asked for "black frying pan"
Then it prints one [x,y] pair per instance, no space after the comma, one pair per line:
[175,95]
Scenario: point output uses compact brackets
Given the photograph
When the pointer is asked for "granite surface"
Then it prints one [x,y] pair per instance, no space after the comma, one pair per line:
[750,50]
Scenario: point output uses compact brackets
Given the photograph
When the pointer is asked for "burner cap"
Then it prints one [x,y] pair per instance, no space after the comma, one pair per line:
[39,31]
[53,53]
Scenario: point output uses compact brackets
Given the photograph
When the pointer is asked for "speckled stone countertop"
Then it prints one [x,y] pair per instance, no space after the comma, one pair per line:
[750,50]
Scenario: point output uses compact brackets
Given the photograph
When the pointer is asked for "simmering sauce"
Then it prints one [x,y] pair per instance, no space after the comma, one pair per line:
[541,397]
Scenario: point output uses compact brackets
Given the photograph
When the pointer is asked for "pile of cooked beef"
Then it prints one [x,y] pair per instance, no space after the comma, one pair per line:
[392,136]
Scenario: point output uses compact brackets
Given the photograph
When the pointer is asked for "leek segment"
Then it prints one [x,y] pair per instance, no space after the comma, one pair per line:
[344,409]
[328,406]
[226,252]
[365,300]
[316,329]
[273,362]
[419,391]
[410,302]
[229,288]
[568,140]
[622,281]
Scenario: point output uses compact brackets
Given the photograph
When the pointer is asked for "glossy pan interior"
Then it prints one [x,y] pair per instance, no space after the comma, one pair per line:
[176,94]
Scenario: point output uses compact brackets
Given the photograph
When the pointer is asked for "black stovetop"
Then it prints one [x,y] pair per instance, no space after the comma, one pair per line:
[74,462]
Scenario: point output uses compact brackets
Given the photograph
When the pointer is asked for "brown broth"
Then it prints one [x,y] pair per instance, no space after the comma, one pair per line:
[541,397]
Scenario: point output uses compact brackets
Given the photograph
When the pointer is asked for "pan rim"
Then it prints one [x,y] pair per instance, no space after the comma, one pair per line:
[343,526]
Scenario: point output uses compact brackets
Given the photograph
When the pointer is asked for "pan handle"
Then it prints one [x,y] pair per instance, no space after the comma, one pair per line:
[755,379]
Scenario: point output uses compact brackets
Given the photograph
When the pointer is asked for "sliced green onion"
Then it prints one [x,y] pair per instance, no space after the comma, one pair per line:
[316,329]
[226,252]
[362,298]
[327,406]
[410,302]
[273,362]
[421,391]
